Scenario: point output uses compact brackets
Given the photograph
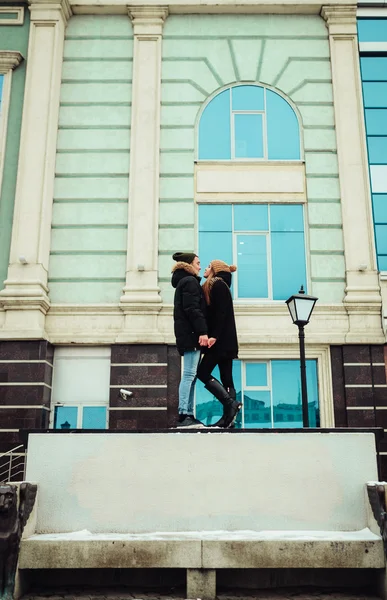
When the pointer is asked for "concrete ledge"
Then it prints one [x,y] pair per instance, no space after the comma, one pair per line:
[306,554]
[202,553]
[105,554]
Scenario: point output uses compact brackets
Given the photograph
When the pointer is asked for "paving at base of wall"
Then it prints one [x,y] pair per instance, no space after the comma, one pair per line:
[282,594]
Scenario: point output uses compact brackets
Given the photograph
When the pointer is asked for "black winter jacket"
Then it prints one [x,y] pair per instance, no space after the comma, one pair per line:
[221,319]
[190,308]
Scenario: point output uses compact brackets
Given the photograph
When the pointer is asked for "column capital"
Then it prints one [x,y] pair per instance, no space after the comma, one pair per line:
[9,60]
[340,18]
[148,20]
[46,10]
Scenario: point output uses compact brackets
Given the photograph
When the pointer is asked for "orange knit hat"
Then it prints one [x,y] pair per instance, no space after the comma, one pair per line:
[220,265]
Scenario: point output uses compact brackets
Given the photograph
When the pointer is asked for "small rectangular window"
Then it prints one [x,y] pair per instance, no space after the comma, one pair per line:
[374,94]
[65,417]
[381,238]
[215,244]
[380,208]
[377,150]
[288,263]
[372,30]
[215,217]
[376,121]
[251,217]
[252,266]
[248,135]
[94,417]
[374,68]
[248,97]
[256,374]
[257,413]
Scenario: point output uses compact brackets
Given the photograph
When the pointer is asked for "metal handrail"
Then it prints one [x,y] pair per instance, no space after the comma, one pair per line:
[12,464]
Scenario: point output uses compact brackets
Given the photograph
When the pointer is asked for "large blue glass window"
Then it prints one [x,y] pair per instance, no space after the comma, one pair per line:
[270,392]
[266,242]
[249,122]
[374,82]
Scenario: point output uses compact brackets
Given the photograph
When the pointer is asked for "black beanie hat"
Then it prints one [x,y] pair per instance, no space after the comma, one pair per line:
[187,257]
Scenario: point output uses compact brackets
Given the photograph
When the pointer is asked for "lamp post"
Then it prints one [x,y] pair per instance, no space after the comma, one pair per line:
[300,307]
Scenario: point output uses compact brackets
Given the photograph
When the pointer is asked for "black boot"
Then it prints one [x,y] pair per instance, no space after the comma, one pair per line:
[230,405]
[220,423]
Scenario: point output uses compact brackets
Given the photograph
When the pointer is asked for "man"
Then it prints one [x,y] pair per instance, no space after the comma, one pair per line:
[190,329]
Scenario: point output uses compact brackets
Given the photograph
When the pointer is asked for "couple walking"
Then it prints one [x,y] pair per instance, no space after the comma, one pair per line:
[205,324]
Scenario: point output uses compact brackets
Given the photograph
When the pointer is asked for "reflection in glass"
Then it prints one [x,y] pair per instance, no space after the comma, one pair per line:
[209,409]
[286,393]
[257,409]
[65,417]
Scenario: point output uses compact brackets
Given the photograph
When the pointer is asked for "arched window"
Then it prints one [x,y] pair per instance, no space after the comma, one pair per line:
[248,122]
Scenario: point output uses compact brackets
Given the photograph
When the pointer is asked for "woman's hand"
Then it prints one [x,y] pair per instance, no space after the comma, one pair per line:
[203,340]
[211,341]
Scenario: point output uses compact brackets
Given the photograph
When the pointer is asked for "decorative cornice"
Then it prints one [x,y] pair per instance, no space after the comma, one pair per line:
[340,17]
[62,6]
[9,61]
[148,20]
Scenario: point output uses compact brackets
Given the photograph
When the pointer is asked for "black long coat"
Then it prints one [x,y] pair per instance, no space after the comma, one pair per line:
[221,319]
[189,308]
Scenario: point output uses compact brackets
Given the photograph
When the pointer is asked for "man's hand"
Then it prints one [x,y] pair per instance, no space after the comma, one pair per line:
[203,340]
[211,342]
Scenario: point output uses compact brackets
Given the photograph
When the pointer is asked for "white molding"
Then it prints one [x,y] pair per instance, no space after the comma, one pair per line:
[18,20]
[141,285]
[9,60]
[365,11]
[362,287]
[206,6]
[373,46]
[24,296]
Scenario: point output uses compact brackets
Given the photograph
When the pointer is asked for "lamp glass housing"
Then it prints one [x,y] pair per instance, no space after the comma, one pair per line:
[301,307]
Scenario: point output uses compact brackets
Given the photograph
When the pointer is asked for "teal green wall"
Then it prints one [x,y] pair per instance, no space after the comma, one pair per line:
[12,37]
[291,53]
[89,225]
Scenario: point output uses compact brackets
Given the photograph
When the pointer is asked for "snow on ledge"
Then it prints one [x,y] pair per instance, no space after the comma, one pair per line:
[248,535]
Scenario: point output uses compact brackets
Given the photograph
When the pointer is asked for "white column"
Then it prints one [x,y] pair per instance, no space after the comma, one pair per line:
[25,296]
[141,288]
[362,295]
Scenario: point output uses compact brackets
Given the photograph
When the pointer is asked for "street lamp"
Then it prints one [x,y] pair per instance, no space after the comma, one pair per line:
[300,307]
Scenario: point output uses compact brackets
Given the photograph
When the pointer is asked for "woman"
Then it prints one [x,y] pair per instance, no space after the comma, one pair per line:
[222,339]
[190,329]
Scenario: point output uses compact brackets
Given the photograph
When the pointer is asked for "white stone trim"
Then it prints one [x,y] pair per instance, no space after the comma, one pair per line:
[9,60]
[365,11]
[141,286]
[25,296]
[362,285]
[18,20]
[232,181]
[373,46]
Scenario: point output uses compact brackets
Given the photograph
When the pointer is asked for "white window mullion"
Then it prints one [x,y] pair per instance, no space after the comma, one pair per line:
[270,381]
[264,128]
[269,259]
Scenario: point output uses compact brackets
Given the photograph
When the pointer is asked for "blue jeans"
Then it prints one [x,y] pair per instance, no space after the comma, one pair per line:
[187,383]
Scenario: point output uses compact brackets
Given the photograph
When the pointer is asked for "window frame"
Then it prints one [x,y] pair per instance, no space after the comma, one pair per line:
[80,408]
[265,158]
[373,52]
[9,60]
[234,234]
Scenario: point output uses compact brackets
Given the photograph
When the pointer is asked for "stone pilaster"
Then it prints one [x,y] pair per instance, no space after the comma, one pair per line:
[362,295]
[141,290]
[25,296]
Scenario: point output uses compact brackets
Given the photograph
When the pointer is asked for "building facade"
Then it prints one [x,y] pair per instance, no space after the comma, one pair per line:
[237,130]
